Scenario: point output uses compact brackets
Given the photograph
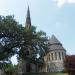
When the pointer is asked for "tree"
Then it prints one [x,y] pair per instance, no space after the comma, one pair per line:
[15,39]
[10,32]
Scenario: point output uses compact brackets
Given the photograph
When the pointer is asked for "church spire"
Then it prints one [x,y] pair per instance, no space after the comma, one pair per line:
[28,19]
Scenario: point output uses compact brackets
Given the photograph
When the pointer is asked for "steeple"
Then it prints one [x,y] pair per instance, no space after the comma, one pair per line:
[28,19]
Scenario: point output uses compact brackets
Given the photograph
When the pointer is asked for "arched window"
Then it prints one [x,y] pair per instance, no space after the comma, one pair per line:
[49,57]
[63,55]
[55,55]
[59,56]
[52,56]
[28,67]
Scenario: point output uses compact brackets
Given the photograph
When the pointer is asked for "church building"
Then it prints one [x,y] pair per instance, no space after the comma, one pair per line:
[53,59]
[55,56]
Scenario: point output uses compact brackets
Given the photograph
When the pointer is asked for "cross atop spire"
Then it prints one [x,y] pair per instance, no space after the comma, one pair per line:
[28,19]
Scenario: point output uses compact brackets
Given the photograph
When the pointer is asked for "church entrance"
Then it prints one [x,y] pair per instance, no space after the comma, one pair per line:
[28,67]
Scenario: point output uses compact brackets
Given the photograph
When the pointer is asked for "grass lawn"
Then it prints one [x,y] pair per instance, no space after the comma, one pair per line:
[48,74]
[57,74]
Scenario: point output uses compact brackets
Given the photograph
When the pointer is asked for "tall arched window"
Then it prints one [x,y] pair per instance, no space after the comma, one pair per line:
[59,56]
[55,55]
[63,55]
[49,57]
[52,56]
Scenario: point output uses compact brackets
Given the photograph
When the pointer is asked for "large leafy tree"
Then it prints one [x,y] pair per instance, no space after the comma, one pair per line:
[15,39]
[10,32]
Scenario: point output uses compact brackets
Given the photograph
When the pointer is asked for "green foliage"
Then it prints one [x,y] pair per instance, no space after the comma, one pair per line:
[15,39]
[56,73]
[10,69]
[10,32]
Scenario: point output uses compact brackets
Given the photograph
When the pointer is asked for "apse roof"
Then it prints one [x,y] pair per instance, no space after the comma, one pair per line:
[54,40]
[55,44]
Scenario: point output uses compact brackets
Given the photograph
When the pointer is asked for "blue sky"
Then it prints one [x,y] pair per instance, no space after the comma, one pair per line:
[52,16]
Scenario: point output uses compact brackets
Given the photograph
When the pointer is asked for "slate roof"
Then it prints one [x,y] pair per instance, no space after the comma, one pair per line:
[54,40]
[54,44]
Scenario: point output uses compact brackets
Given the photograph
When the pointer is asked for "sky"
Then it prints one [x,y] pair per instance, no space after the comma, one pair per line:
[52,16]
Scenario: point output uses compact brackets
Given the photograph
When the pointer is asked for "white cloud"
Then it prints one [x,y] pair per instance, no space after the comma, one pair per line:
[60,3]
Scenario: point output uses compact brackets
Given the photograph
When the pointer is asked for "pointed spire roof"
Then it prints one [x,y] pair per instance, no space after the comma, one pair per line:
[28,19]
[54,40]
